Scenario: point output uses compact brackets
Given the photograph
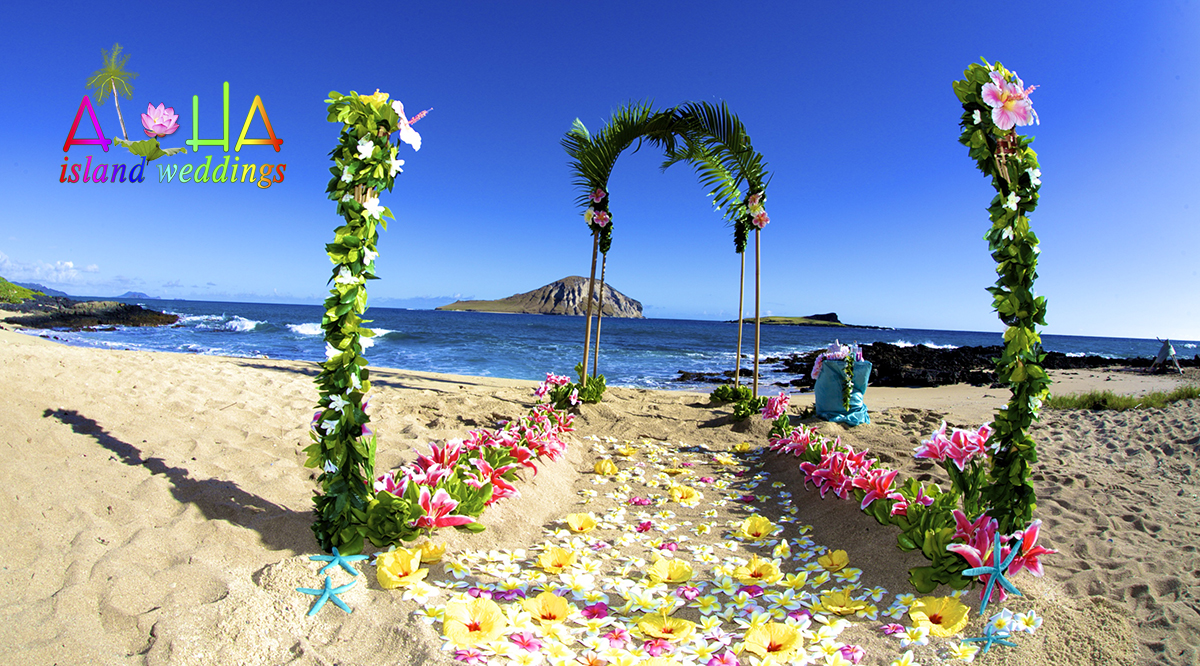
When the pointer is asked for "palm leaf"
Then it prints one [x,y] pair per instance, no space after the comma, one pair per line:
[112,76]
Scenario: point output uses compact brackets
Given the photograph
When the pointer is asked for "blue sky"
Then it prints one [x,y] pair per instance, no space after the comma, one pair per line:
[877,212]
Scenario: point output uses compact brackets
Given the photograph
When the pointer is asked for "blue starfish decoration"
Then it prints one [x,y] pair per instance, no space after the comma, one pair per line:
[995,573]
[337,559]
[327,593]
[991,635]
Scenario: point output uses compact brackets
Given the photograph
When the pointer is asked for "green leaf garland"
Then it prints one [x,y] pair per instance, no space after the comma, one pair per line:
[1005,157]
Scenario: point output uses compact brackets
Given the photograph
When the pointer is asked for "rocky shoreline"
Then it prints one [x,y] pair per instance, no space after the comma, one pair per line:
[57,312]
[921,366]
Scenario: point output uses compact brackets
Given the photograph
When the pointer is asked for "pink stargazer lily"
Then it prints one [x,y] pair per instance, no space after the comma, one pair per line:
[977,558]
[877,483]
[437,507]
[776,407]
[501,487]
[160,120]
[978,534]
[1009,101]
[1027,557]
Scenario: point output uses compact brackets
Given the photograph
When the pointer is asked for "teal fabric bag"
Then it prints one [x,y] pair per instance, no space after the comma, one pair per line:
[829,395]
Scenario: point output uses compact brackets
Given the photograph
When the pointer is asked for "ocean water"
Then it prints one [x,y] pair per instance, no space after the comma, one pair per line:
[643,353]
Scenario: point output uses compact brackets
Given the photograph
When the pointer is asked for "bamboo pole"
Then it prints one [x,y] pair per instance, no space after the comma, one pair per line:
[757,302]
[599,315]
[587,340]
[737,362]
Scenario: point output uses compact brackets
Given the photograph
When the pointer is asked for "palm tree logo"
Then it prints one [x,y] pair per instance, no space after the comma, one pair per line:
[113,78]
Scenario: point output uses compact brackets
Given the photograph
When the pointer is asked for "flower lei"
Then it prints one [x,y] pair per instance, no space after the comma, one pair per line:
[365,164]
[995,101]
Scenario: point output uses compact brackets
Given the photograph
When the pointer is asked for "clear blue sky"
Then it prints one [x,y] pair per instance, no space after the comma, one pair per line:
[877,212]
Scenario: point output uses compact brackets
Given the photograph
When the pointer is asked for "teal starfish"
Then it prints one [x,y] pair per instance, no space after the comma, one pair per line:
[327,593]
[991,635]
[995,573]
[337,559]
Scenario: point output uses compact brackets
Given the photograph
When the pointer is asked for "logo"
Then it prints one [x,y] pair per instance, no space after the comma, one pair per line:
[160,122]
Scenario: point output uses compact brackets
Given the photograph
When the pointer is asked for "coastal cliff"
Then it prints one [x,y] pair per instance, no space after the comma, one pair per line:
[567,296]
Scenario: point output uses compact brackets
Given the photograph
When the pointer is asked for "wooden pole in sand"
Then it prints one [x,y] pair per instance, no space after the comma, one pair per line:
[757,301]
[599,315]
[737,359]
[587,340]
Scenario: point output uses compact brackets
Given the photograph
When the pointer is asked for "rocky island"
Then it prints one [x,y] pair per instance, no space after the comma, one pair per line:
[567,296]
[827,319]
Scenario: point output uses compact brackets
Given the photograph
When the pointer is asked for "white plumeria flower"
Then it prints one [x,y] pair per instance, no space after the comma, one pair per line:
[1035,176]
[1002,621]
[914,636]
[371,208]
[365,147]
[1012,201]
[905,659]
[964,652]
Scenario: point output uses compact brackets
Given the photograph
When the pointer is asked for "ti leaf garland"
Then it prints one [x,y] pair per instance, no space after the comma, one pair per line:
[1005,157]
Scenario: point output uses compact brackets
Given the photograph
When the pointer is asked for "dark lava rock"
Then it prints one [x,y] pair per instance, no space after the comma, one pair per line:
[89,314]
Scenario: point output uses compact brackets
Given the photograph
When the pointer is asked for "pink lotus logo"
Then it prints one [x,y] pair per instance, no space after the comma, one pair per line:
[159,121]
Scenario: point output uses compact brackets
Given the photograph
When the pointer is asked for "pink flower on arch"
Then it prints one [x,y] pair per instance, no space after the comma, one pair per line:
[1009,101]
[601,218]
[597,195]
[760,219]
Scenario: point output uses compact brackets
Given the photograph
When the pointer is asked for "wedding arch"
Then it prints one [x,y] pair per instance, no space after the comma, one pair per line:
[714,141]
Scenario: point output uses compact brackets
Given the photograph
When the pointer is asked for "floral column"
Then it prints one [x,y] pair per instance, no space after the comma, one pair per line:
[365,164]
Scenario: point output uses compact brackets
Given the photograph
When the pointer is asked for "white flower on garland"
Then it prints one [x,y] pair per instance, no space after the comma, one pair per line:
[347,197]
[331,352]
[338,403]
[365,148]
[1035,177]
[371,208]
[344,276]
[369,256]
[346,175]
[329,425]
[394,164]
[977,117]
[330,468]
[1012,201]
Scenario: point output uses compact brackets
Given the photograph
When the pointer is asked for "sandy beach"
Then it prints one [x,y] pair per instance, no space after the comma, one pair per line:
[157,510]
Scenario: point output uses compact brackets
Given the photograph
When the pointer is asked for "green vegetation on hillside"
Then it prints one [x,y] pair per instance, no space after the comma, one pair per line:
[11,293]
[795,321]
[1107,400]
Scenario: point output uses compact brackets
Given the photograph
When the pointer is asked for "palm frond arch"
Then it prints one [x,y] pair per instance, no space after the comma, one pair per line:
[709,137]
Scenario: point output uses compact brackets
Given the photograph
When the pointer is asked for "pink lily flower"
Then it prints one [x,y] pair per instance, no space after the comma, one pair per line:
[978,534]
[877,483]
[1027,557]
[776,407]
[445,455]
[437,509]
[388,482]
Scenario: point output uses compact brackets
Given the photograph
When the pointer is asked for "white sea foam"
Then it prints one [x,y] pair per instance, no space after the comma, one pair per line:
[305,329]
[1189,345]
[240,324]
[1076,354]
[927,343]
